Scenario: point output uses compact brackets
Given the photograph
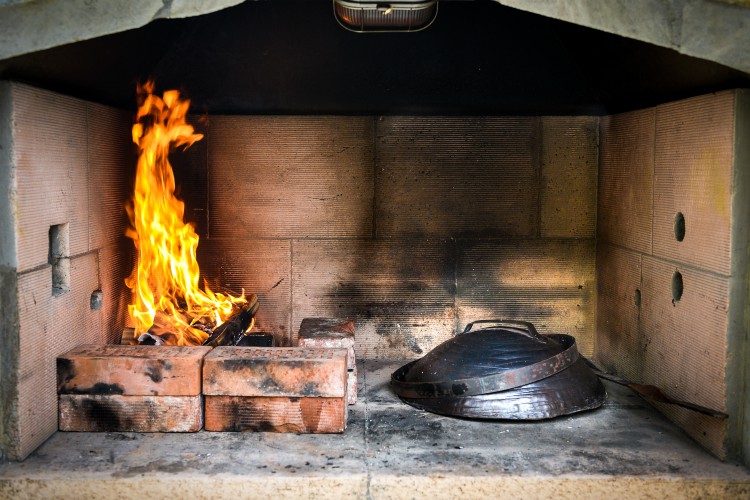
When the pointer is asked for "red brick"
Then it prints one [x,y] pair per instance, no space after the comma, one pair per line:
[131,370]
[327,333]
[333,333]
[275,371]
[275,414]
[113,413]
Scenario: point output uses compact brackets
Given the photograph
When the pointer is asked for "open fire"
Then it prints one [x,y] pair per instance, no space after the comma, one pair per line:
[169,305]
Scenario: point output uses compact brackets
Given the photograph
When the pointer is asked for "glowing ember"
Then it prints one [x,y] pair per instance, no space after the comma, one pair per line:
[165,279]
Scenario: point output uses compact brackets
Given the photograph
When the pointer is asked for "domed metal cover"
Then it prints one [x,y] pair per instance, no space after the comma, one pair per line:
[506,371]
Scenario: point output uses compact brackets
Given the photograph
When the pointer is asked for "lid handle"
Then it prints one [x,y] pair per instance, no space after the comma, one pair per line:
[525,325]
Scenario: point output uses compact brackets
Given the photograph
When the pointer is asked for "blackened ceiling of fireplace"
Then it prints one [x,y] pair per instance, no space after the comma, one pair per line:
[292,57]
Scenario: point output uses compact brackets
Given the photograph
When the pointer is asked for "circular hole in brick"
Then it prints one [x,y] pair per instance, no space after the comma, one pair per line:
[677,287]
[637,297]
[679,226]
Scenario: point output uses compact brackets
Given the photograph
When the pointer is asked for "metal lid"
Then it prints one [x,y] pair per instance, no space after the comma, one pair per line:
[504,371]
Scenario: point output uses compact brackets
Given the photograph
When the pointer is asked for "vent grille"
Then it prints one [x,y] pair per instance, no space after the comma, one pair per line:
[365,17]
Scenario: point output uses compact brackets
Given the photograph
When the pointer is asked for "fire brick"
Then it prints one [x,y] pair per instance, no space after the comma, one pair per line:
[109,413]
[130,388]
[332,333]
[278,389]
[131,370]
[275,414]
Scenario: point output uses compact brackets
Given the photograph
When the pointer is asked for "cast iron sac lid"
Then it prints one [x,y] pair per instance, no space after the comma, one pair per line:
[506,371]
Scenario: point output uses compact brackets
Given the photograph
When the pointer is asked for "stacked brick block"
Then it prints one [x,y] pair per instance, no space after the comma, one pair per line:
[278,389]
[131,388]
[162,389]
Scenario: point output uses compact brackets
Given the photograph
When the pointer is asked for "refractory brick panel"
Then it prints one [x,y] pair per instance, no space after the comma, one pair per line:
[131,370]
[50,325]
[115,264]
[262,267]
[454,176]
[694,168]
[570,156]
[401,293]
[111,167]
[290,176]
[626,171]
[51,172]
[685,342]
[547,282]
[114,413]
[618,345]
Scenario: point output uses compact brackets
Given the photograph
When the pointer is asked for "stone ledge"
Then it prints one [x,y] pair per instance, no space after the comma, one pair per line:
[391,450]
[716,31]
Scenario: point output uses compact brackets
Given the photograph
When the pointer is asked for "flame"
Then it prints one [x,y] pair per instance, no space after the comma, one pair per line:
[166,276]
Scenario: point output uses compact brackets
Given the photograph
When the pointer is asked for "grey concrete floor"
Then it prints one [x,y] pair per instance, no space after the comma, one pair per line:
[391,450]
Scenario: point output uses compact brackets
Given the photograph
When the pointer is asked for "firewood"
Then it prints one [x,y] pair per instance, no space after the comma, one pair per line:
[233,329]
[259,339]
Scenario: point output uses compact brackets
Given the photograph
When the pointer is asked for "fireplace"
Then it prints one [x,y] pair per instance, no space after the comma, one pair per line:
[609,209]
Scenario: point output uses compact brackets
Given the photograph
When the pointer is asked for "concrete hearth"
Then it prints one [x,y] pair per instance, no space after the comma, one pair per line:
[391,450]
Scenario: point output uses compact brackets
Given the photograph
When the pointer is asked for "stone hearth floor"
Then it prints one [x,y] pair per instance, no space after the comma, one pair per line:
[391,450]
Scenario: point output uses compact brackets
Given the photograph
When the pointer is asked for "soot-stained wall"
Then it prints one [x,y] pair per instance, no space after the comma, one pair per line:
[414,226]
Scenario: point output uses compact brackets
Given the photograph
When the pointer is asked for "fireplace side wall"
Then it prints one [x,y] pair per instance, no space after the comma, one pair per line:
[671,258]
[67,160]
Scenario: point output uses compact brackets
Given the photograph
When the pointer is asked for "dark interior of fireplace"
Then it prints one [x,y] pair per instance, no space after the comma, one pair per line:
[291,57]
[496,164]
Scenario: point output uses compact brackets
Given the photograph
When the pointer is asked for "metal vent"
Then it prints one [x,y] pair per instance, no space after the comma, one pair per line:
[364,17]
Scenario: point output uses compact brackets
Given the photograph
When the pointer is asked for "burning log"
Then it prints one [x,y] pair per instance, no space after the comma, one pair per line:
[233,329]
[167,327]
[164,331]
